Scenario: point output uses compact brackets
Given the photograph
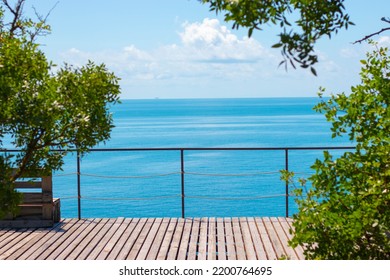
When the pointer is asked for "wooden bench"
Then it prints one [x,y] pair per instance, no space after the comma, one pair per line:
[38,208]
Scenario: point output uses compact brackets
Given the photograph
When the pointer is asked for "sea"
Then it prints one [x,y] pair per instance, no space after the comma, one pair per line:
[215,182]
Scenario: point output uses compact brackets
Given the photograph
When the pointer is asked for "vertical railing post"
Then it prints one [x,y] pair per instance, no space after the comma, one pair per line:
[182,183]
[287,185]
[78,186]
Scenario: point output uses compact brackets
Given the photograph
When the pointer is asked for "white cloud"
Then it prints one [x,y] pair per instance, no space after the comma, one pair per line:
[208,59]
[119,58]
[129,62]
[207,49]
[384,41]
[349,53]
[213,42]
[131,52]
[209,33]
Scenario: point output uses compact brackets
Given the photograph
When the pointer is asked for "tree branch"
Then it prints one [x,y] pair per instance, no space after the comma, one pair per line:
[372,35]
[36,136]
[43,20]
[17,12]
[387,20]
[17,23]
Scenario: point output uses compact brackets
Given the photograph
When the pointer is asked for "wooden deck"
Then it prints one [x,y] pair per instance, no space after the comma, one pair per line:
[152,239]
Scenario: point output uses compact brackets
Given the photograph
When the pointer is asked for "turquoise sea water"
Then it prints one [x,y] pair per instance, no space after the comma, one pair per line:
[217,183]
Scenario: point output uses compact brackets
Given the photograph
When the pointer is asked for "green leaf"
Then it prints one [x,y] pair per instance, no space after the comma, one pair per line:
[250,31]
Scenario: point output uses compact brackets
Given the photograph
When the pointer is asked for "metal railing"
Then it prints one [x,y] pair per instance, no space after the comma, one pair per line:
[182,165]
[182,172]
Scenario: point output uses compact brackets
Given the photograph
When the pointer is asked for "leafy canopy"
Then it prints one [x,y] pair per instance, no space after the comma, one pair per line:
[45,107]
[345,214]
[302,22]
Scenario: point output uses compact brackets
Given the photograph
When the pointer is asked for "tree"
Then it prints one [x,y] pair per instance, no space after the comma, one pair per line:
[316,19]
[42,108]
[345,214]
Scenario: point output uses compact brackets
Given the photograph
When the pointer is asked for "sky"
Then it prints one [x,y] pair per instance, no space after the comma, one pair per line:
[180,49]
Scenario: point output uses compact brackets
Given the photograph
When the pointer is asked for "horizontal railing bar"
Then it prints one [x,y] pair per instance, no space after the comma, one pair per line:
[199,149]
[182,171]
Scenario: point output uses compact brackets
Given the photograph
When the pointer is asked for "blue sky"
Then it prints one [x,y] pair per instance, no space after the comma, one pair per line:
[179,49]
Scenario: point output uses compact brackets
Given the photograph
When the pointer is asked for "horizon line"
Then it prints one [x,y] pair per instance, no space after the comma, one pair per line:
[200,98]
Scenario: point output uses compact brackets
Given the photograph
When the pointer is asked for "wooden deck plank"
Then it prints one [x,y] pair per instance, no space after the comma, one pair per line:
[42,245]
[114,252]
[139,243]
[147,244]
[257,240]
[277,244]
[4,231]
[185,240]
[221,240]
[240,248]
[267,243]
[96,244]
[9,238]
[158,241]
[202,245]
[52,244]
[212,239]
[174,245]
[287,226]
[63,240]
[119,228]
[247,240]
[168,237]
[101,239]
[290,253]
[128,245]
[8,234]
[19,242]
[153,238]
[31,243]
[230,245]
[74,240]
[86,243]
[193,245]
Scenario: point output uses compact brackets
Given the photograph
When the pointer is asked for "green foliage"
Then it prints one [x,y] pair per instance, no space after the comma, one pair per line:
[346,212]
[315,20]
[45,107]
[9,199]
